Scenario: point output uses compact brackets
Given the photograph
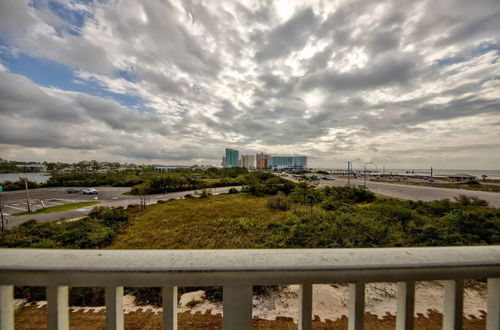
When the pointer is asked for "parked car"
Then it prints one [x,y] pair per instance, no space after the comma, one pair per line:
[73,191]
[90,191]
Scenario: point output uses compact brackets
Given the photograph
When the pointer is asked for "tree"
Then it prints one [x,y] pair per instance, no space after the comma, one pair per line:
[82,166]
[484,176]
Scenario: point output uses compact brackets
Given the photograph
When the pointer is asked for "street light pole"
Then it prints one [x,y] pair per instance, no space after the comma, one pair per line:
[27,195]
[1,214]
[349,170]
[349,173]
[364,175]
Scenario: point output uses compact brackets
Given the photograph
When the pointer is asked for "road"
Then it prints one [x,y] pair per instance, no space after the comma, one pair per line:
[412,192]
[15,201]
[110,196]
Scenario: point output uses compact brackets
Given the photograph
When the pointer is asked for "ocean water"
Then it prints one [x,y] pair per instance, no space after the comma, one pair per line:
[492,174]
[36,177]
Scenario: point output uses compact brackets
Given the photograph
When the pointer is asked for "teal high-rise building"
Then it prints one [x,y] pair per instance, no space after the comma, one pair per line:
[232,157]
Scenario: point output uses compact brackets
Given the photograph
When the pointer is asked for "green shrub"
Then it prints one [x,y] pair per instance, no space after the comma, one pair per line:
[331,204]
[349,195]
[264,183]
[279,202]
[18,185]
[141,189]
[304,194]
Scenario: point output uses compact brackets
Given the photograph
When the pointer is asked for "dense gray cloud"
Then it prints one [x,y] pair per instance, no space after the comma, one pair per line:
[290,36]
[396,69]
[331,80]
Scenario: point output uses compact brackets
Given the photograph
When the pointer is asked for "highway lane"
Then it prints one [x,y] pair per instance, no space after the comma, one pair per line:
[412,192]
[108,196]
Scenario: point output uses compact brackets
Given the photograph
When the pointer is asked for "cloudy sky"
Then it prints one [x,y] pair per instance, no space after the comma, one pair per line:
[401,83]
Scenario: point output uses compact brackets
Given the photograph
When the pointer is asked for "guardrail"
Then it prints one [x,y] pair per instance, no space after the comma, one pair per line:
[238,270]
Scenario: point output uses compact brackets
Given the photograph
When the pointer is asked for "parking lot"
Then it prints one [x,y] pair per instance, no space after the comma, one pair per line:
[16,206]
[15,201]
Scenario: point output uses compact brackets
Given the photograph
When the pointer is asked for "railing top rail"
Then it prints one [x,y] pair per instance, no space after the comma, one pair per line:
[247,260]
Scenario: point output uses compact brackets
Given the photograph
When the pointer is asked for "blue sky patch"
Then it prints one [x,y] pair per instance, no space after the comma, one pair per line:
[48,73]
[478,51]
[75,19]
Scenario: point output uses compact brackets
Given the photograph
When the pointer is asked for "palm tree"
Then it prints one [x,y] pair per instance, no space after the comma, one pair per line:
[484,176]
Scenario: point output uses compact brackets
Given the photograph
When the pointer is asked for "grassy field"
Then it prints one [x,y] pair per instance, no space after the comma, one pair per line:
[59,208]
[218,222]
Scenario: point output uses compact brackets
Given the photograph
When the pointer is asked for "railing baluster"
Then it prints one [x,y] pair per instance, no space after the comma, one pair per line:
[405,305]
[6,307]
[57,303]
[237,303]
[493,316]
[169,301]
[453,304]
[114,308]
[356,306]
[305,307]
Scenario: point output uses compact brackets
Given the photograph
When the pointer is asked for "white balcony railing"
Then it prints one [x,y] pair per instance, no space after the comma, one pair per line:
[238,270]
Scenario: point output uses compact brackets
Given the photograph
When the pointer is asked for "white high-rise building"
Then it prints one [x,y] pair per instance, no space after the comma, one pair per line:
[248,161]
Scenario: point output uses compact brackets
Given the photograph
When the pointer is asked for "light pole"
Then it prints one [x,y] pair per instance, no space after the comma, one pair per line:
[364,175]
[349,173]
[349,169]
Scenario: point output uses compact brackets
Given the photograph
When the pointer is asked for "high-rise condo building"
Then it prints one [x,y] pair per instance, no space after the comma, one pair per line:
[248,161]
[262,161]
[232,157]
[287,162]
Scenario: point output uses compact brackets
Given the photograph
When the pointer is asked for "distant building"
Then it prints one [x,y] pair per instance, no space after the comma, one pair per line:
[287,162]
[165,168]
[232,157]
[223,161]
[461,178]
[248,161]
[32,167]
[262,161]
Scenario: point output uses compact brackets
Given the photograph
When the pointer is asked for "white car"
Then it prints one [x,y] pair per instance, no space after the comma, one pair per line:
[90,191]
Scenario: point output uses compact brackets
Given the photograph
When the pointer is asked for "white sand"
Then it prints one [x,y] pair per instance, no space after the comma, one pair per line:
[329,301]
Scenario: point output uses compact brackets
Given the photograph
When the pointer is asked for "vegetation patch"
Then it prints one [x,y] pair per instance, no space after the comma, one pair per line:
[142,181]
[333,217]
[270,214]
[59,208]
[216,222]
[96,231]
